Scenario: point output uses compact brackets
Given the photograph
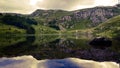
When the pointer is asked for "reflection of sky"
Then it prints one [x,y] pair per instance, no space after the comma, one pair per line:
[30,62]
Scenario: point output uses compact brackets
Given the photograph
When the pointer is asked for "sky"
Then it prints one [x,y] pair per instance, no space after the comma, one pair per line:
[28,6]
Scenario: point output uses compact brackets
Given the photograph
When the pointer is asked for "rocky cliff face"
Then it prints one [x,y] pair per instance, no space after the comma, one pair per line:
[96,15]
[68,19]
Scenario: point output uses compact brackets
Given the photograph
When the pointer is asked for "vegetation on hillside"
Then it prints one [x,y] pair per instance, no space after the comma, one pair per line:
[40,29]
[24,23]
[110,28]
[18,21]
[10,30]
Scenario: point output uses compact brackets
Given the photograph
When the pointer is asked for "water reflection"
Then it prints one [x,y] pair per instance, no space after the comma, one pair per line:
[31,62]
[54,47]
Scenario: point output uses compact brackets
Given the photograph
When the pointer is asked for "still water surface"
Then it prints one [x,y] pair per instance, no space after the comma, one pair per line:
[58,47]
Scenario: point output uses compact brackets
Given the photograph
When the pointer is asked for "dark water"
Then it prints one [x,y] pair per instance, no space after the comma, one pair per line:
[55,46]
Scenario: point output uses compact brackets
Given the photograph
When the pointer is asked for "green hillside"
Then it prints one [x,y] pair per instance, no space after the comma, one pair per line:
[17,20]
[40,29]
[110,28]
[16,24]
[8,29]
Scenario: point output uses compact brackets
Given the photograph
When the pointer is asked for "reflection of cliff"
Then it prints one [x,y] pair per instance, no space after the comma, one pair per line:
[65,43]
[96,54]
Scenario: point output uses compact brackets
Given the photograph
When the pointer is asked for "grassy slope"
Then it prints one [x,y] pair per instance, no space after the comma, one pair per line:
[40,29]
[8,29]
[110,28]
[83,24]
[19,21]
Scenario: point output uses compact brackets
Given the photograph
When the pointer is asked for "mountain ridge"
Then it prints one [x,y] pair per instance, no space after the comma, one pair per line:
[69,19]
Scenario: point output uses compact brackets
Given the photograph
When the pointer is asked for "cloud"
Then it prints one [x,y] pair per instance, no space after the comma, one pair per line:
[106,2]
[19,6]
[63,4]
[28,6]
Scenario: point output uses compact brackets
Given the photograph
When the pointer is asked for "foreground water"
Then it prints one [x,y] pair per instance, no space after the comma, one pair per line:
[30,62]
[57,47]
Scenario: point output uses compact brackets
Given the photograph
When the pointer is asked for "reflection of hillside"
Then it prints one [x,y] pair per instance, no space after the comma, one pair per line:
[51,47]
[17,48]
[77,36]
[60,48]
[9,40]
[116,46]
[42,39]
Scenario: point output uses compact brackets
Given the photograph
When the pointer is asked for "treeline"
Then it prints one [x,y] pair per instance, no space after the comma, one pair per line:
[19,21]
